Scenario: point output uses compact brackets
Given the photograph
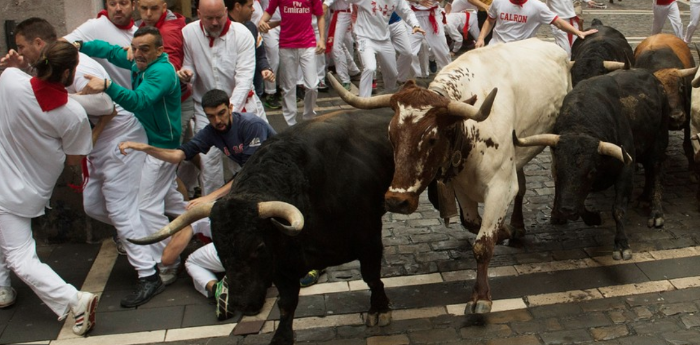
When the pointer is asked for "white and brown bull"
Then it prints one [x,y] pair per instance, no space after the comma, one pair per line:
[459,130]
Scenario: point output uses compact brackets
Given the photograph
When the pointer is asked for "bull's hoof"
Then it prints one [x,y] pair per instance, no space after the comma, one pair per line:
[655,222]
[480,307]
[384,319]
[626,254]
[372,319]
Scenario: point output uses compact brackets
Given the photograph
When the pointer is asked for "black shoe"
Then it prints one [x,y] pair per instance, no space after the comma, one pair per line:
[433,66]
[271,101]
[148,287]
[322,87]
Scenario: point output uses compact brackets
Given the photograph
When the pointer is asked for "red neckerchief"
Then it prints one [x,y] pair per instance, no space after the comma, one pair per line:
[49,95]
[465,30]
[518,2]
[431,17]
[123,27]
[159,23]
[223,31]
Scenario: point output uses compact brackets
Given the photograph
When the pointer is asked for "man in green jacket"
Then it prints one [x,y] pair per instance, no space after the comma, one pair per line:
[155,101]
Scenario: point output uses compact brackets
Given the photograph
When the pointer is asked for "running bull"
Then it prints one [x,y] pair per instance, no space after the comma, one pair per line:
[599,53]
[436,133]
[309,198]
[606,123]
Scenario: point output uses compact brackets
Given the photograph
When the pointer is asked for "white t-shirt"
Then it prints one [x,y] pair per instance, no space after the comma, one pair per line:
[104,30]
[462,6]
[202,226]
[517,23]
[563,8]
[373,17]
[34,144]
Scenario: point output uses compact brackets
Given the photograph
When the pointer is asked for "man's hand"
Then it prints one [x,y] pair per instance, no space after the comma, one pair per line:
[268,75]
[131,145]
[13,59]
[264,27]
[418,29]
[129,53]
[320,47]
[479,43]
[95,85]
[201,200]
[185,75]
[583,34]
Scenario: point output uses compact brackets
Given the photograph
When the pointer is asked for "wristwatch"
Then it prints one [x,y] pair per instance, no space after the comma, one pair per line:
[78,44]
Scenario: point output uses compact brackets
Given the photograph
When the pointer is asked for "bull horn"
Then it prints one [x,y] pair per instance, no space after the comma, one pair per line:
[695,82]
[286,211]
[571,64]
[613,65]
[467,111]
[536,140]
[381,101]
[682,73]
[196,213]
[612,150]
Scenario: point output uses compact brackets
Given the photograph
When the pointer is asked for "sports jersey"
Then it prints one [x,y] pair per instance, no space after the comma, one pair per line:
[516,22]
[34,143]
[295,28]
[246,134]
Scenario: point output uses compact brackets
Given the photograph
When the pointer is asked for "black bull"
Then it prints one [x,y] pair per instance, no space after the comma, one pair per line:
[590,55]
[625,109]
[334,170]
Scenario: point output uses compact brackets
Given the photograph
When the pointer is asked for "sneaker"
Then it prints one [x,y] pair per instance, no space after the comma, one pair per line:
[322,86]
[346,86]
[168,275]
[271,101]
[148,287]
[221,296]
[595,4]
[433,66]
[310,278]
[120,246]
[84,313]
[8,296]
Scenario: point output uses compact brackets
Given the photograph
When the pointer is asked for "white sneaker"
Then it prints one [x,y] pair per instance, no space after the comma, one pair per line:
[84,313]
[168,274]
[8,296]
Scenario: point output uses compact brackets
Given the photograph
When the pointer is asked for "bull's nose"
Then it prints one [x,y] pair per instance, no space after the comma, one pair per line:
[677,120]
[400,203]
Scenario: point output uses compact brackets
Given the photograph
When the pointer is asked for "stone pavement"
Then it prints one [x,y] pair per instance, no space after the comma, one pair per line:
[557,285]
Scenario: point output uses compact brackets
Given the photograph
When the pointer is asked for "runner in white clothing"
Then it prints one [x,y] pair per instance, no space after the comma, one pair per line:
[666,9]
[565,10]
[515,20]
[430,17]
[341,21]
[219,54]
[459,26]
[373,38]
[41,129]
[693,23]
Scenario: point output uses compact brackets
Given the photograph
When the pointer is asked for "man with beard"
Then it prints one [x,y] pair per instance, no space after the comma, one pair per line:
[237,135]
[155,102]
[41,128]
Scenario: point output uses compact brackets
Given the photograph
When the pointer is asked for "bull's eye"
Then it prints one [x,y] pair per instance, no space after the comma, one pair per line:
[432,141]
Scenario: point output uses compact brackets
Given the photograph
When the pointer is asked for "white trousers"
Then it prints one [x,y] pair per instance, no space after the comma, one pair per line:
[661,12]
[18,253]
[386,54]
[564,39]
[112,196]
[271,40]
[400,38]
[202,265]
[435,40]
[290,60]
[338,53]
[693,24]
[158,196]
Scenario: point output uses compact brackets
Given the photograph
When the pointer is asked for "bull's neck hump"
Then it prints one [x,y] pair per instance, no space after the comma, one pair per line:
[452,83]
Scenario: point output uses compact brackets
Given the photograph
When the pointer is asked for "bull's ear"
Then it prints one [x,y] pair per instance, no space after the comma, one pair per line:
[471,100]
[626,156]
[628,62]
[408,84]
